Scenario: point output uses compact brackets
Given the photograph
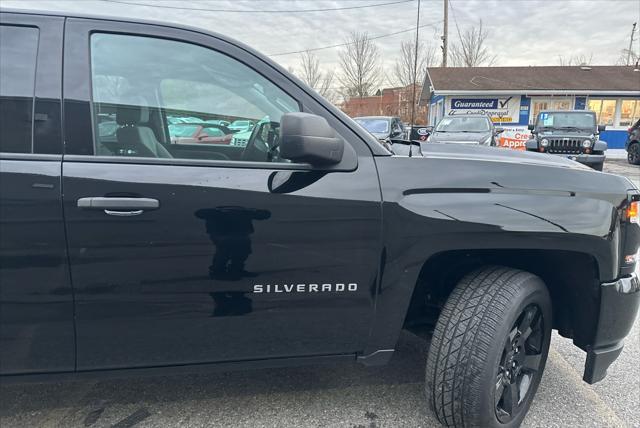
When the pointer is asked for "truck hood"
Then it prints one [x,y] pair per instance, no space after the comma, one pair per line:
[459,137]
[495,154]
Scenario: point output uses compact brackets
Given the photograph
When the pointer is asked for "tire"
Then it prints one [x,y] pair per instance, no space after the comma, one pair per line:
[598,166]
[466,378]
[633,153]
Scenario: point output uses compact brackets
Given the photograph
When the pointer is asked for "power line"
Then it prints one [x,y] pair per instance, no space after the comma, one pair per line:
[455,20]
[350,43]
[257,11]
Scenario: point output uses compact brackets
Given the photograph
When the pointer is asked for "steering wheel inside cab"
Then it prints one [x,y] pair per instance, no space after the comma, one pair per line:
[264,144]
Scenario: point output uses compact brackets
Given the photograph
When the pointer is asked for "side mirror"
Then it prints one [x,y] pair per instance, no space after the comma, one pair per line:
[396,133]
[499,130]
[602,128]
[308,138]
[531,127]
[429,129]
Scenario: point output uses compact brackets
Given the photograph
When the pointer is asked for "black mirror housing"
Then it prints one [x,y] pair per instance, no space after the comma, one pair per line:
[602,128]
[499,130]
[531,127]
[308,138]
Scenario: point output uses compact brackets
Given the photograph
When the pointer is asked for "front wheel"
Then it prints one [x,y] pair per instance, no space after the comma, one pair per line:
[489,349]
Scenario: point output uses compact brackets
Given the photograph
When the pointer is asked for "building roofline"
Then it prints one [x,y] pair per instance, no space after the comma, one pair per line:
[564,92]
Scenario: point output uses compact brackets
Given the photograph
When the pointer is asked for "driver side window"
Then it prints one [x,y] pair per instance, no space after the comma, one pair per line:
[167,99]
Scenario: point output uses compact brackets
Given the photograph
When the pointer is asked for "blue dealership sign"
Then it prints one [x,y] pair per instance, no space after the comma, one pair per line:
[475,103]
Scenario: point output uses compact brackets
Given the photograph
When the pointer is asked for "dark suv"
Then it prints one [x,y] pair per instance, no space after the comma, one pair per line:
[384,128]
[632,145]
[121,253]
[573,134]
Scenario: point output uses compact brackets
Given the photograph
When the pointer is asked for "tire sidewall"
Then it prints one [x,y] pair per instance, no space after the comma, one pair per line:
[531,291]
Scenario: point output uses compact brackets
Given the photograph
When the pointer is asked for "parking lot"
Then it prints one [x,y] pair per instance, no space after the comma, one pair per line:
[346,395]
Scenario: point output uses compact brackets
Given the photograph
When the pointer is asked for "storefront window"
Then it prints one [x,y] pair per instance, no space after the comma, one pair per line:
[595,105]
[537,105]
[629,112]
[605,110]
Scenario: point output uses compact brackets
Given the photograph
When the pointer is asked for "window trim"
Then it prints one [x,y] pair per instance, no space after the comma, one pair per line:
[349,162]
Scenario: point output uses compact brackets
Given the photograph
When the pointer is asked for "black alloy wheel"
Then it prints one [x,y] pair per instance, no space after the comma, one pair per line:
[520,362]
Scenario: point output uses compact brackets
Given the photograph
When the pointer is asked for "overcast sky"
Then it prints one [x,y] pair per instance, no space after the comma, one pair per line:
[522,32]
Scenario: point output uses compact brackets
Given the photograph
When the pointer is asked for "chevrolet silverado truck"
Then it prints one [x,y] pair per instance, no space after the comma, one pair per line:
[569,133]
[312,243]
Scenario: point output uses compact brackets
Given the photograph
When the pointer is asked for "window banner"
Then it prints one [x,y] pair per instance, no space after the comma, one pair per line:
[500,109]
[514,137]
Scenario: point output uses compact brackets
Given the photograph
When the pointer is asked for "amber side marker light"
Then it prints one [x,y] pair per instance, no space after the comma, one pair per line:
[633,212]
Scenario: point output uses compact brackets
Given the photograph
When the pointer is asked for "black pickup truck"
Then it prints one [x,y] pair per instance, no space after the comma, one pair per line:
[125,253]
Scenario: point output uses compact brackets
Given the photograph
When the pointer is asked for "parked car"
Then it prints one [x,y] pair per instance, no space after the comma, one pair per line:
[202,133]
[241,125]
[419,132]
[312,243]
[632,145]
[218,122]
[384,128]
[475,129]
[573,134]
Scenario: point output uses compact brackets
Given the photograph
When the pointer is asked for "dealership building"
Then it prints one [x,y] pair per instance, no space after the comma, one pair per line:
[513,96]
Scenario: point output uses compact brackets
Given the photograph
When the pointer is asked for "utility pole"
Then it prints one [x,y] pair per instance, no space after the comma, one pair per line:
[415,74]
[445,36]
[633,31]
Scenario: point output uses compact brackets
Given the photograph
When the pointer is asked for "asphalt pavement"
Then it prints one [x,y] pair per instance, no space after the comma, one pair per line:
[347,395]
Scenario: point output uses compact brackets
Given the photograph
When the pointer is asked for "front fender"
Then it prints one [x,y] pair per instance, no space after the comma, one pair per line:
[432,205]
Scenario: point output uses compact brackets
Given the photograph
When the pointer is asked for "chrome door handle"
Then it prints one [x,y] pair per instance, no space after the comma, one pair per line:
[119,207]
[123,213]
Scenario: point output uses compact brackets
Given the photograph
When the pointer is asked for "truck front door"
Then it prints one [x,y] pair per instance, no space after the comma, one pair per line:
[185,253]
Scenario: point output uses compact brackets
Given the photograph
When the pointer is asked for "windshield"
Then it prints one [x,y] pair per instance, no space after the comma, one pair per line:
[463,124]
[566,120]
[379,126]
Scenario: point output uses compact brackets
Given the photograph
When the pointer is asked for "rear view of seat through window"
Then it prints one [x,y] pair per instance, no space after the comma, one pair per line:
[134,136]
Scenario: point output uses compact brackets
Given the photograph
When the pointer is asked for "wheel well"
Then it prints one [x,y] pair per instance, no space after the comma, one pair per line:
[571,277]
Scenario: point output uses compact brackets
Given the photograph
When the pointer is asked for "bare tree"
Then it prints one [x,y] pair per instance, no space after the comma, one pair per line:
[630,56]
[360,66]
[471,50]
[403,68]
[312,75]
[578,59]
